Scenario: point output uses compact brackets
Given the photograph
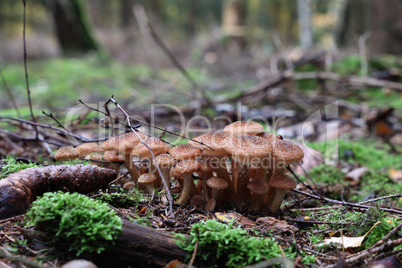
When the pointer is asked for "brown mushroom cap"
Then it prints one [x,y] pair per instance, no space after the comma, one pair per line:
[215,140]
[123,143]
[184,151]
[244,127]
[217,183]
[146,178]
[185,167]
[283,181]
[165,161]
[87,148]
[248,149]
[157,145]
[66,153]
[113,156]
[258,187]
[94,156]
[287,151]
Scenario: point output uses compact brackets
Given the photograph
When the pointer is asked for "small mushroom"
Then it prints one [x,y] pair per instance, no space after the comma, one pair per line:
[165,162]
[124,144]
[216,185]
[184,170]
[147,179]
[257,188]
[210,205]
[66,153]
[282,184]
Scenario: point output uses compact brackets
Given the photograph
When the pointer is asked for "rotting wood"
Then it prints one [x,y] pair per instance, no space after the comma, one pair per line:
[141,246]
[137,246]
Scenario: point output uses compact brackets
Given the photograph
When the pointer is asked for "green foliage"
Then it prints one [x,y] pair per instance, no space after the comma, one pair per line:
[122,199]
[222,245]
[348,65]
[13,166]
[84,224]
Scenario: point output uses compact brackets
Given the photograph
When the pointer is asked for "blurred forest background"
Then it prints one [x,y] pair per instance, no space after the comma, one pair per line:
[93,49]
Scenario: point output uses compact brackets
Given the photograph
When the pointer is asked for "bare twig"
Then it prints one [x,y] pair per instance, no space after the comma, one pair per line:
[26,73]
[381,198]
[111,100]
[139,9]
[324,199]
[317,222]
[10,94]
[107,113]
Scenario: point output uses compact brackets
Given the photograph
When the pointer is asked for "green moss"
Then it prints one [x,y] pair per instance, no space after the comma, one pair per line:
[75,220]
[222,245]
[326,174]
[13,166]
[362,152]
[122,199]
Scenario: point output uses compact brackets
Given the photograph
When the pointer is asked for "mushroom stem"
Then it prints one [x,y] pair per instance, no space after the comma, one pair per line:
[242,193]
[188,187]
[222,172]
[150,189]
[128,160]
[277,200]
[205,176]
[166,175]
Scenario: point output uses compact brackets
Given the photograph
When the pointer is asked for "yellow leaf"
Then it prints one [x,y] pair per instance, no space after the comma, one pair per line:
[349,242]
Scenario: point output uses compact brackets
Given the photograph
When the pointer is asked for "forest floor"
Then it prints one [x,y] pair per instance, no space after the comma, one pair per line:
[347,123]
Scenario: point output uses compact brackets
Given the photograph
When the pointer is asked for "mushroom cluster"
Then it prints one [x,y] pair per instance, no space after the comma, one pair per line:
[240,166]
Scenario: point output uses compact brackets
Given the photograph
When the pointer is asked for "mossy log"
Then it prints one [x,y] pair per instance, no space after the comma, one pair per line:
[141,246]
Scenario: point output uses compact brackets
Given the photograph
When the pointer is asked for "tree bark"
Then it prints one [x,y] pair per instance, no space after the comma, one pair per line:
[141,246]
[72,26]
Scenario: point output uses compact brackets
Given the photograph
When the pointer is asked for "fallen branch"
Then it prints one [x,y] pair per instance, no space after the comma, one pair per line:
[286,75]
[343,203]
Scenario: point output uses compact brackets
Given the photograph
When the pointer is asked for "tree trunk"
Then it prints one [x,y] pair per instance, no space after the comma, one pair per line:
[304,18]
[233,21]
[72,26]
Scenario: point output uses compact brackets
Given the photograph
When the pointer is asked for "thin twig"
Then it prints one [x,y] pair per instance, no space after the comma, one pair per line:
[107,113]
[381,198]
[10,94]
[317,222]
[26,73]
[140,9]
[344,203]
[111,100]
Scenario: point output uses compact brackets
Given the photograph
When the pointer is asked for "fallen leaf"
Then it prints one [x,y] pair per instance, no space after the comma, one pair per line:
[276,225]
[233,217]
[395,175]
[349,242]
[355,175]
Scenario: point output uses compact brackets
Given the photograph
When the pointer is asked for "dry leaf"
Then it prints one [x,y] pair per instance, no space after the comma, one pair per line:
[276,225]
[349,242]
[355,175]
[233,217]
[395,175]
